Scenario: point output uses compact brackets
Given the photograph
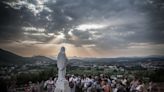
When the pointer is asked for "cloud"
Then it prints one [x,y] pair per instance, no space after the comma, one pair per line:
[85,27]
[34,6]
[33,29]
[96,24]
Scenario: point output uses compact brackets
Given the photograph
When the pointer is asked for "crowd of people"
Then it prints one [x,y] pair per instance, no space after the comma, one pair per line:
[85,83]
[100,83]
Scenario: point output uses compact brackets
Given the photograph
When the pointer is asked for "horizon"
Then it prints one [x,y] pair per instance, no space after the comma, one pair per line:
[90,28]
[78,57]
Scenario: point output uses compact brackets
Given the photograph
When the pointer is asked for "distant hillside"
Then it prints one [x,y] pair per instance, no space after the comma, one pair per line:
[118,61]
[41,59]
[7,57]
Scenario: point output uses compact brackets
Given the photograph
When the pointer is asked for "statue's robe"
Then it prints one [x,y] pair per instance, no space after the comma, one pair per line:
[61,64]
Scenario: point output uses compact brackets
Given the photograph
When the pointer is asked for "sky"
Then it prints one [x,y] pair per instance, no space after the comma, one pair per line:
[86,28]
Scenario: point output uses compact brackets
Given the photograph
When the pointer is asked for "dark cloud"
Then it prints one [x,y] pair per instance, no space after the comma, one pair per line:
[129,21]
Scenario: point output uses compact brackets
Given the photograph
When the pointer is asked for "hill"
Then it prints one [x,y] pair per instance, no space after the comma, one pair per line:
[7,57]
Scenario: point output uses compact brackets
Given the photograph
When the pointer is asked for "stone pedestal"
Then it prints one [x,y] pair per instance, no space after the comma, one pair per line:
[62,85]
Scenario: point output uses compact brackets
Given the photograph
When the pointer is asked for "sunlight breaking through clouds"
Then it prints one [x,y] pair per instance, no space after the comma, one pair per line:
[85,27]
[94,27]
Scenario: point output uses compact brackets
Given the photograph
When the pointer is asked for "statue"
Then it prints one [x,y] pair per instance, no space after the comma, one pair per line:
[61,64]
[62,84]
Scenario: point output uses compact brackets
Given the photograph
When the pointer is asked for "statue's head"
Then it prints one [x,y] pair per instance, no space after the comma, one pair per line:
[62,49]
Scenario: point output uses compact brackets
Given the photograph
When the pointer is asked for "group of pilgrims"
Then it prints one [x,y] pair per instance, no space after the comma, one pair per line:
[99,83]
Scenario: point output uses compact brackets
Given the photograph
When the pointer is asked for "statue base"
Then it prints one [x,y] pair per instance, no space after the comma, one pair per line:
[62,85]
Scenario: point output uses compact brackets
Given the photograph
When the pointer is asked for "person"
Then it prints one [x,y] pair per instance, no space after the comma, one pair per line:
[106,87]
[120,87]
[79,86]
[133,84]
[37,86]
[72,86]
[150,86]
[89,87]
[50,85]
[97,85]
[124,81]
[42,86]
[141,87]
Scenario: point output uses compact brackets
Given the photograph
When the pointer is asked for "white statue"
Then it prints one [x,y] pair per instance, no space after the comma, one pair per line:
[62,84]
[61,64]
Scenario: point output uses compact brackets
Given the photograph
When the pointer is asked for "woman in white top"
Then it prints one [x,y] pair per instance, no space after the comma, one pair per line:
[141,87]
